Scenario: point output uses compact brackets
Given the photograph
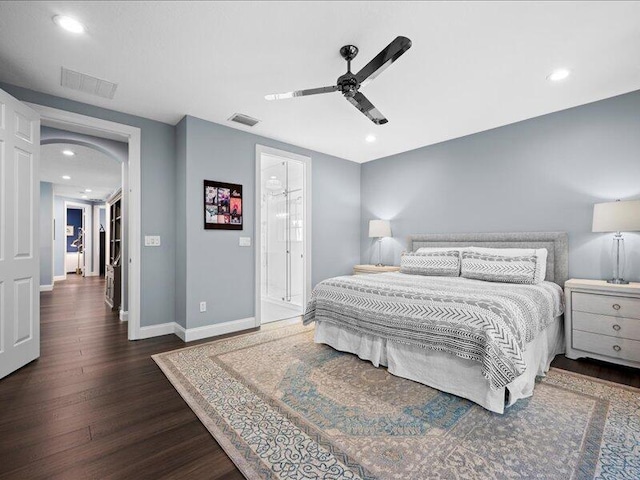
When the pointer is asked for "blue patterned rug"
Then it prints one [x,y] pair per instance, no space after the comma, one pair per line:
[284,407]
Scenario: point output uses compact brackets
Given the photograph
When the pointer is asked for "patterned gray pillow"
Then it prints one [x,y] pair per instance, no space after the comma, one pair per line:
[444,263]
[499,268]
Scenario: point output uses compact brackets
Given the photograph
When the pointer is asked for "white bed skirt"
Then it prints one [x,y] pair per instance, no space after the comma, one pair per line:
[444,371]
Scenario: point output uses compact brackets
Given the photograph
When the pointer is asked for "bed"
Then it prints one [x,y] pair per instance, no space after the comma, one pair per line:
[372,316]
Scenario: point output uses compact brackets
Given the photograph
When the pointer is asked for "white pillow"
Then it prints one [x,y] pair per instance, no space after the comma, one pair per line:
[439,249]
[540,253]
[445,263]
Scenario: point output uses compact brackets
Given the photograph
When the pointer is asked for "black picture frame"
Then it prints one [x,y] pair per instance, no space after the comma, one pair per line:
[223,206]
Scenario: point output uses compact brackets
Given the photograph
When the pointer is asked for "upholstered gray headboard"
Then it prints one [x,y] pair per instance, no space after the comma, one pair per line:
[556,243]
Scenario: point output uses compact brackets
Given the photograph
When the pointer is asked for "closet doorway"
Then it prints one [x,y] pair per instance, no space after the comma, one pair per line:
[282,234]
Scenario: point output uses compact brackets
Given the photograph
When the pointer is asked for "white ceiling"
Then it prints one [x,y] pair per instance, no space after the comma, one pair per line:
[88,169]
[473,65]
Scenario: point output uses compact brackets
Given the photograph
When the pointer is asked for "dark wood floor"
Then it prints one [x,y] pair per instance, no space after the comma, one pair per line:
[96,405]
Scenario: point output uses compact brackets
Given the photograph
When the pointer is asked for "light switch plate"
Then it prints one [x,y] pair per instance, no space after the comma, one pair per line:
[151,240]
[245,241]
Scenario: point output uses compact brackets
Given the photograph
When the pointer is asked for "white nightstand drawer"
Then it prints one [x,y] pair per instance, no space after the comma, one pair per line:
[606,305]
[607,325]
[622,348]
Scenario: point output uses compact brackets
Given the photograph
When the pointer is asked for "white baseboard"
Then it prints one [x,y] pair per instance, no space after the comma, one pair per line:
[46,288]
[92,274]
[198,333]
[59,278]
[157,330]
[191,334]
[124,317]
[180,331]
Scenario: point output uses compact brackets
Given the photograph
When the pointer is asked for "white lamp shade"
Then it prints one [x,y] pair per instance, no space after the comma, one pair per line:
[616,216]
[379,228]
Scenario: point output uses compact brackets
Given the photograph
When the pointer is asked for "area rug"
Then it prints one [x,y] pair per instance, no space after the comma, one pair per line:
[284,407]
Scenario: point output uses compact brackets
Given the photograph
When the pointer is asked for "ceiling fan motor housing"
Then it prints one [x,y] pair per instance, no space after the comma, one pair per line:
[348,84]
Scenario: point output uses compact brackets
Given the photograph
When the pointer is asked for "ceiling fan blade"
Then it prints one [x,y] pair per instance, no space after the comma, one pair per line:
[363,104]
[385,58]
[301,93]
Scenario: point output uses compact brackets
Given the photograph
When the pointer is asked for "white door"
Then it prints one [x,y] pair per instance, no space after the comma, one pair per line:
[19,240]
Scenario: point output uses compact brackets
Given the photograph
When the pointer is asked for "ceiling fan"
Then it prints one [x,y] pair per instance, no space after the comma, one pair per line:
[349,83]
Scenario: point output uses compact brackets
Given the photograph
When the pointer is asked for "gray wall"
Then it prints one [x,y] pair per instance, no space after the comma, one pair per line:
[542,174]
[220,272]
[158,199]
[46,233]
[102,219]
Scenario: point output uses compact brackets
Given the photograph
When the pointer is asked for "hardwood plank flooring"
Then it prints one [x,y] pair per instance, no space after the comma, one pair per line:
[95,405]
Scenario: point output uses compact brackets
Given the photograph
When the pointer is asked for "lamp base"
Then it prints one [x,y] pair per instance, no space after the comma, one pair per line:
[618,281]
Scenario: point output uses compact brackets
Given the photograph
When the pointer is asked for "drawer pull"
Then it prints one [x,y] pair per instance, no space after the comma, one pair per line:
[616,306]
[616,327]
[617,348]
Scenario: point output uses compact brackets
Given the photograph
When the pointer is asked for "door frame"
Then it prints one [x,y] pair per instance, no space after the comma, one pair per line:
[306,165]
[88,238]
[78,123]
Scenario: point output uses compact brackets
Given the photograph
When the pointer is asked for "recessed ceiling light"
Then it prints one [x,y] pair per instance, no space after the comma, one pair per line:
[370,138]
[88,190]
[68,153]
[69,24]
[558,75]
[273,177]
[84,196]
[66,177]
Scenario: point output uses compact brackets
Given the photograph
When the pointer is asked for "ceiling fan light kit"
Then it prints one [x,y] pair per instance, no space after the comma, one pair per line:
[349,84]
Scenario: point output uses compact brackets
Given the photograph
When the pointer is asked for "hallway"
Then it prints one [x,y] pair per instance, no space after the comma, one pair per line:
[95,405]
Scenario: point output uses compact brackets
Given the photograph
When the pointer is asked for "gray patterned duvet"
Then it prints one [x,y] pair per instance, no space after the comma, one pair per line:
[489,323]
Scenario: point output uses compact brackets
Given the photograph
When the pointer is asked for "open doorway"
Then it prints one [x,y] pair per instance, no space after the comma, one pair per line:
[283,215]
[75,221]
[84,175]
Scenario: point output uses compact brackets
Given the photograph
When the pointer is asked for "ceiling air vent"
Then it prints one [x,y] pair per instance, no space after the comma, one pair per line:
[88,84]
[243,119]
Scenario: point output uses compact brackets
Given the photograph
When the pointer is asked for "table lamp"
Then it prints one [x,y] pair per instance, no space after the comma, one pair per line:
[617,217]
[379,229]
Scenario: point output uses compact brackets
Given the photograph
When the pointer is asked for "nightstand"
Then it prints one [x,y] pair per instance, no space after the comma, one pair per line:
[362,269]
[602,321]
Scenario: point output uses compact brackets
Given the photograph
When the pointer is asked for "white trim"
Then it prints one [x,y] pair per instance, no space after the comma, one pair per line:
[53,235]
[92,274]
[132,135]
[46,288]
[59,278]
[156,330]
[198,333]
[307,196]
[124,316]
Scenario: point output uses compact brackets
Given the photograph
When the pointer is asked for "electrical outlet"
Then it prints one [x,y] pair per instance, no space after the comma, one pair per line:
[151,240]
[203,307]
